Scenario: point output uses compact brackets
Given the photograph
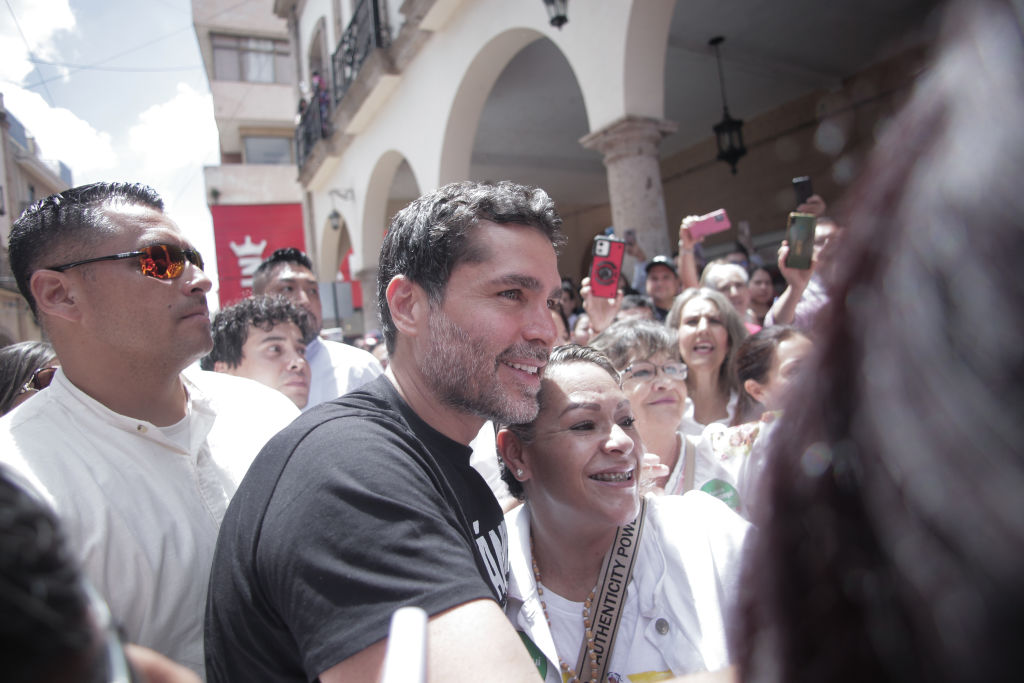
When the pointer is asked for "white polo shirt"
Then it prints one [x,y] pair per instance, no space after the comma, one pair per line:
[336,369]
[140,510]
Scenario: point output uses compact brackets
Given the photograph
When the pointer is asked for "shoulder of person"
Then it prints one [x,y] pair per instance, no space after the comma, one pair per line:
[239,393]
[694,515]
[347,352]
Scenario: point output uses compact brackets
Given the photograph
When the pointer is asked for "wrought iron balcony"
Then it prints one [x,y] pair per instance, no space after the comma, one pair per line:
[365,33]
[311,128]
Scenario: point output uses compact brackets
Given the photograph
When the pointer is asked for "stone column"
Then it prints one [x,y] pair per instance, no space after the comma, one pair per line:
[368,279]
[630,148]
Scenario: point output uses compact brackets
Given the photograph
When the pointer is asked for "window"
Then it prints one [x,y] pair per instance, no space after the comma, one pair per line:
[267,150]
[254,60]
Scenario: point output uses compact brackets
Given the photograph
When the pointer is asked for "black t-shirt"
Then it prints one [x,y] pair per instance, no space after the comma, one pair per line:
[354,510]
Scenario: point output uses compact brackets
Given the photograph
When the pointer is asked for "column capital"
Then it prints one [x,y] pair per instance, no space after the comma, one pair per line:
[629,136]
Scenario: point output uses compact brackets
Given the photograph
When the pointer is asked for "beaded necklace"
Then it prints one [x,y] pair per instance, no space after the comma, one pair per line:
[588,632]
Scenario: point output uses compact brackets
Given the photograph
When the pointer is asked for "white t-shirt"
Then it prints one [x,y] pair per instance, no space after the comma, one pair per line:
[337,369]
[690,427]
[632,655]
[141,512]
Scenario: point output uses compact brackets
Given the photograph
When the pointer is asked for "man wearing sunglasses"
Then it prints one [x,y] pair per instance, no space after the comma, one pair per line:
[336,368]
[137,459]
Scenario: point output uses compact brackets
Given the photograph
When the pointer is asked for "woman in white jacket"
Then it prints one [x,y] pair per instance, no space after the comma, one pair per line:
[581,540]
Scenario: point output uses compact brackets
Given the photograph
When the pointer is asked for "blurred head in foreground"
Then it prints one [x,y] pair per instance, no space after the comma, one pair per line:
[891,547]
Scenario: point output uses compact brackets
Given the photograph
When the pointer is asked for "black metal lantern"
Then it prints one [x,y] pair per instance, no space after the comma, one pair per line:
[558,12]
[728,131]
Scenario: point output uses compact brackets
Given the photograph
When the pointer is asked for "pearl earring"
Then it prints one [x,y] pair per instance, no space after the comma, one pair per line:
[519,472]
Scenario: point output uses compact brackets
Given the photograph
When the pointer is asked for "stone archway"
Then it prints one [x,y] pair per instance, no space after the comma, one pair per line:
[392,184]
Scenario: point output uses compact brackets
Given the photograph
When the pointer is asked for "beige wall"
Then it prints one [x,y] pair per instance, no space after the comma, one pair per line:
[781,144]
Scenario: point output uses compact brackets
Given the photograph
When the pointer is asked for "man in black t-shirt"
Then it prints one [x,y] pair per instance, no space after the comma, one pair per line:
[368,503]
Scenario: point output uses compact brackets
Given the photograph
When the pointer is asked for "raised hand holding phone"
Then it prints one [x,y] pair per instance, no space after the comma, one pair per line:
[607,264]
[800,239]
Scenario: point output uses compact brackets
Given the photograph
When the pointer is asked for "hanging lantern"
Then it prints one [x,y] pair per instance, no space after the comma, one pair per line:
[728,131]
[558,12]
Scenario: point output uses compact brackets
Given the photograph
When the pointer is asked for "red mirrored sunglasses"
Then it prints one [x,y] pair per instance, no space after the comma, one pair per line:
[161,261]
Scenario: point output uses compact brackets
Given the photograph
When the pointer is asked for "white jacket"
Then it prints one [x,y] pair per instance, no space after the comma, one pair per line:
[686,578]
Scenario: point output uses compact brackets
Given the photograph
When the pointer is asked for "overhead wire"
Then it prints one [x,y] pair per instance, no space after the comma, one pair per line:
[28,48]
[43,81]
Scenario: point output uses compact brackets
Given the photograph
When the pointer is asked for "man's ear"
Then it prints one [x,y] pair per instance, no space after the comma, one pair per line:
[510,448]
[408,305]
[55,295]
[755,389]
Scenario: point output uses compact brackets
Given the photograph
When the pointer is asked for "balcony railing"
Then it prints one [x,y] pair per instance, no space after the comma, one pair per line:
[364,34]
[312,126]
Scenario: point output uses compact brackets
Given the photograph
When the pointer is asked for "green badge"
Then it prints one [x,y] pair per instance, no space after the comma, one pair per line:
[723,491]
[539,660]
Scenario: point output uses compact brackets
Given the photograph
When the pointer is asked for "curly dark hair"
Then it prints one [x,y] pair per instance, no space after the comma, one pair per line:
[231,325]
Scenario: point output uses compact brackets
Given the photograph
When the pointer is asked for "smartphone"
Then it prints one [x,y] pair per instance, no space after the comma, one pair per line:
[604,271]
[708,224]
[802,189]
[630,236]
[800,235]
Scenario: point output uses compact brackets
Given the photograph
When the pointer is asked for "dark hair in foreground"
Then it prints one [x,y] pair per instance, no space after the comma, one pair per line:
[55,230]
[17,363]
[231,325]
[753,360]
[891,549]
[561,355]
[434,234]
[261,276]
[46,631]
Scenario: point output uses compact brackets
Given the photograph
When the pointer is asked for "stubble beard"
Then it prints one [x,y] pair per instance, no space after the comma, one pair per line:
[462,372]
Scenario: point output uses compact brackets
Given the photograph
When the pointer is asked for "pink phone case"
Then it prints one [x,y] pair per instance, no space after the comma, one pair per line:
[716,221]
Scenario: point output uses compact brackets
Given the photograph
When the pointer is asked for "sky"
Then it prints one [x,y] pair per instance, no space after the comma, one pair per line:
[116,89]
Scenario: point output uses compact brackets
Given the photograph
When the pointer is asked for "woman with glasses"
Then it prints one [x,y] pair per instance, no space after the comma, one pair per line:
[586,536]
[25,369]
[646,354]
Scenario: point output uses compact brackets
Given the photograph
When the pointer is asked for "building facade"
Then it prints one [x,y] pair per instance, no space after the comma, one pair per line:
[25,177]
[254,198]
[612,113]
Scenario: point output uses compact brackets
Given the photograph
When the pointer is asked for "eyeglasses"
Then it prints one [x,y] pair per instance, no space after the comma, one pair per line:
[645,371]
[160,261]
[40,379]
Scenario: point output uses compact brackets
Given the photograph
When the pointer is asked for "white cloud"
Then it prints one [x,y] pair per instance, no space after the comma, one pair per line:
[176,134]
[167,148]
[59,132]
[39,21]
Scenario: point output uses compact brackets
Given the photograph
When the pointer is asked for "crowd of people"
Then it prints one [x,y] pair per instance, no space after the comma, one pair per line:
[714,477]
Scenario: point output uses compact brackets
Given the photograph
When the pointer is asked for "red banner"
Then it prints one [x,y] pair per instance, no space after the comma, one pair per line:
[247,234]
